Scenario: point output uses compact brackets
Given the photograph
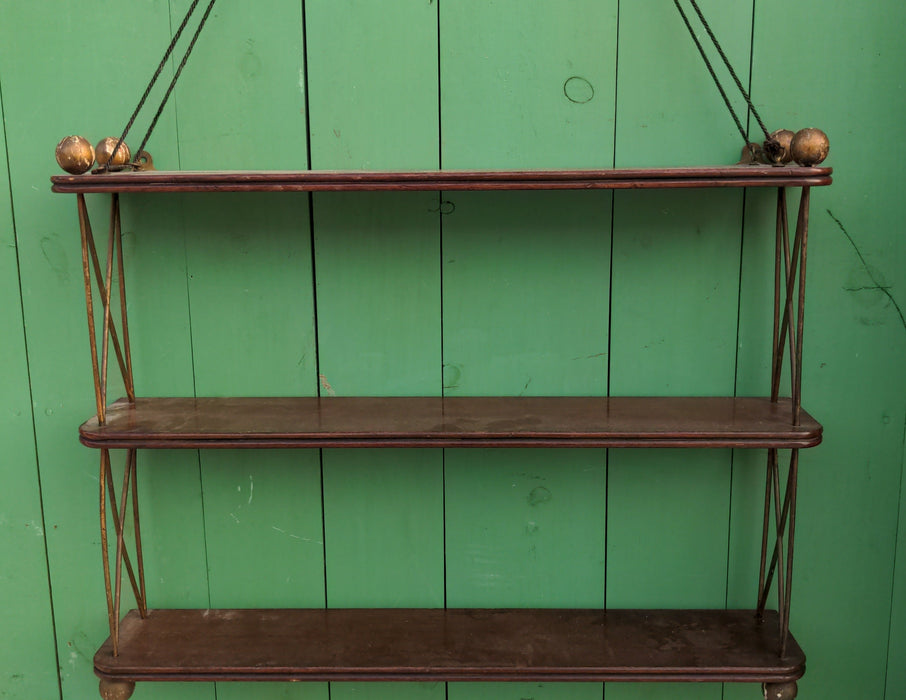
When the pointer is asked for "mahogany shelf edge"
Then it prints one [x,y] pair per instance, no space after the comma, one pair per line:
[310,422]
[450,645]
[327,180]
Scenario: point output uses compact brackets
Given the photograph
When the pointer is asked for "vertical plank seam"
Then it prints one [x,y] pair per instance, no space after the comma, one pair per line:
[613,206]
[314,296]
[896,563]
[31,400]
[181,210]
[440,226]
[742,250]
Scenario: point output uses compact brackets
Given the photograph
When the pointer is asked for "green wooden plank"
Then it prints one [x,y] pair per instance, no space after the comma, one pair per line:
[372,71]
[242,94]
[27,647]
[674,304]
[40,36]
[854,378]
[525,529]
[525,293]
[669,112]
[250,291]
[378,293]
[384,552]
[525,300]
[528,88]
[372,82]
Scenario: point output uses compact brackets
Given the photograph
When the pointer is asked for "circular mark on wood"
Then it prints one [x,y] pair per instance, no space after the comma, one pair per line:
[578,90]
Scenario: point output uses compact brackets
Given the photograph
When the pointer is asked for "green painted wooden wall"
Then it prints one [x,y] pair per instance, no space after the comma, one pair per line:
[456,294]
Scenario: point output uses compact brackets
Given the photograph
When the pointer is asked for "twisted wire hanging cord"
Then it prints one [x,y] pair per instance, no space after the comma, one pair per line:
[726,61]
[182,64]
[160,67]
[714,77]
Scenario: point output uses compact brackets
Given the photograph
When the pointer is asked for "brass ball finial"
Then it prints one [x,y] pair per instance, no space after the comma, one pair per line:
[106,156]
[75,154]
[781,154]
[809,147]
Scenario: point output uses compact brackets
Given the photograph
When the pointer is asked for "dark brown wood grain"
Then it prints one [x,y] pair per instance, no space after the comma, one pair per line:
[451,422]
[450,645]
[314,180]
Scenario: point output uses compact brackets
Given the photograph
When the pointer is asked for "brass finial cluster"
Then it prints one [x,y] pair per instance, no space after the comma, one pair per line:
[807,147]
[76,155]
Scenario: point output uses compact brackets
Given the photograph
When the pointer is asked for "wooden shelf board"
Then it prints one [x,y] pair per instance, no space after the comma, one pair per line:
[451,422]
[323,180]
[450,645]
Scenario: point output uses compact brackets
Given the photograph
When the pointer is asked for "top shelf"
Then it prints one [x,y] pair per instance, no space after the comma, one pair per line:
[433,180]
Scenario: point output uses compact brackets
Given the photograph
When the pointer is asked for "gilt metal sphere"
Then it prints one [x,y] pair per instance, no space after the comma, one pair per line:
[105,155]
[809,147]
[75,154]
[783,138]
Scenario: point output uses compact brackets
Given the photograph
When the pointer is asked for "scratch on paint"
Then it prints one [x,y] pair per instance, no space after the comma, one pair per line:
[295,537]
[875,283]
[233,516]
[251,489]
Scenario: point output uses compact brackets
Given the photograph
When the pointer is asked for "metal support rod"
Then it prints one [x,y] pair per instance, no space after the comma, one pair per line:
[791,489]
[114,339]
[108,284]
[775,343]
[127,475]
[765,528]
[87,237]
[791,266]
[141,596]
[778,533]
[121,274]
[802,236]
[773,566]
[105,552]
[117,526]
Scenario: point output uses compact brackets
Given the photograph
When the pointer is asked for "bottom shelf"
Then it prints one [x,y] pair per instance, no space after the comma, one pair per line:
[450,645]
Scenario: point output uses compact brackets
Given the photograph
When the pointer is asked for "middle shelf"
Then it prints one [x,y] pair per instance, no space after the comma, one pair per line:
[293,422]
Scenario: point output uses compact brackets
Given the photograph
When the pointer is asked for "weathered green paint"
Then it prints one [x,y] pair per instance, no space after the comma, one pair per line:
[673,331]
[458,294]
[372,70]
[525,312]
[27,647]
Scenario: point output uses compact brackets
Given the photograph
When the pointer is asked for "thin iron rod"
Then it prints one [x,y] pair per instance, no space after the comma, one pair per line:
[116,526]
[717,83]
[119,545]
[179,69]
[121,274]
[781,599]
[791,495]
[108,284]
[791,272]
[777,366]
[154,78]
[729,66]
[88,239]
[765,528]
[143,598]
[774,556]
[802,234]
[105,553]
[99,275]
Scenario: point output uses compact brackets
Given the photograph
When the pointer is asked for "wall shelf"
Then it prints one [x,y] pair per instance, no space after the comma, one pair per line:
[448,645]
[450,422]
[432,180]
